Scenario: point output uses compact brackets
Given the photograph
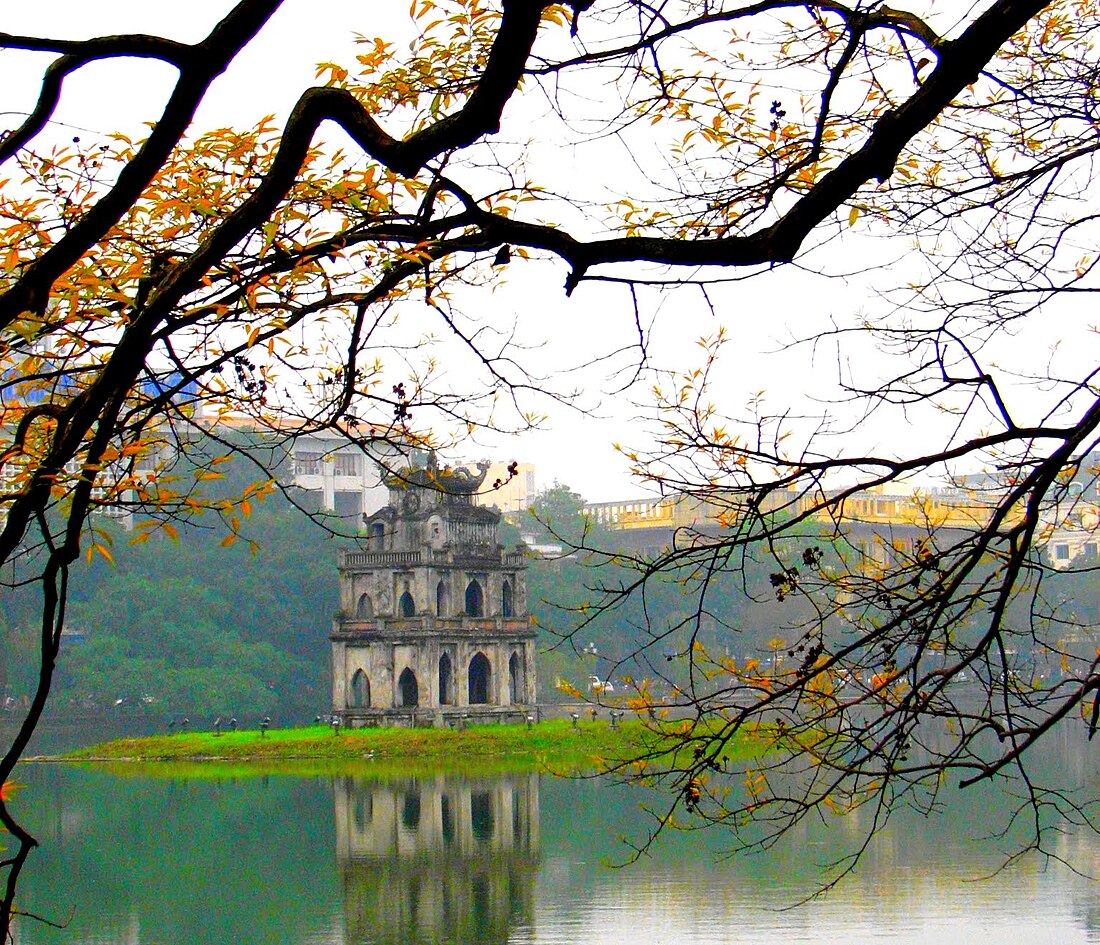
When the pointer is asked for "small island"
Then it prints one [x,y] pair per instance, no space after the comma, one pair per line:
[559,746]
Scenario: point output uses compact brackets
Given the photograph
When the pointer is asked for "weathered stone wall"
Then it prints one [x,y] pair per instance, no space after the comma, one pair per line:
[421,540]
[384,661]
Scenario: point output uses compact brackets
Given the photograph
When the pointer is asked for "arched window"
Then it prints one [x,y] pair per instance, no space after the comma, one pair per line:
[475,600]
[364,610]
[377,538]
[480,676]
[506,600]
[442,599]
[515,677]
[407,607]
[446,681]
[360,691]
[407,689]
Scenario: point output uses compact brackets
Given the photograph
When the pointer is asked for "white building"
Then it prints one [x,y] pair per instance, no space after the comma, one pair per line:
[350,482]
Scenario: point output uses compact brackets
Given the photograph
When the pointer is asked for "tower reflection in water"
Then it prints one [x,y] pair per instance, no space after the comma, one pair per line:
[438,860]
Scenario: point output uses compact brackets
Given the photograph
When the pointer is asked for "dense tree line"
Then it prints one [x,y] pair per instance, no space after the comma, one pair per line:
[178,623]
[640,642]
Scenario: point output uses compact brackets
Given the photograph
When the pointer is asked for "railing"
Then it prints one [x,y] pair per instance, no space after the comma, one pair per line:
[470,560]
[632,512]
[954,509]
[360,559]
[427,623]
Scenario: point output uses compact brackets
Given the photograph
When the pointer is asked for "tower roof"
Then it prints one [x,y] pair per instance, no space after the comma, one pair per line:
[457,480]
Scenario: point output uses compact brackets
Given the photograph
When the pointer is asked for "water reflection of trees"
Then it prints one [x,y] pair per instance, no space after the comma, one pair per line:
[1000,822]
[437,860]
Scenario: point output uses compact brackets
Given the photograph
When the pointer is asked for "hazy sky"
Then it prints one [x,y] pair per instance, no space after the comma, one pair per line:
[576,444]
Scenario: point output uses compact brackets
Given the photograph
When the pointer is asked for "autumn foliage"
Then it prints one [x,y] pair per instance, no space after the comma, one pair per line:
[155,290]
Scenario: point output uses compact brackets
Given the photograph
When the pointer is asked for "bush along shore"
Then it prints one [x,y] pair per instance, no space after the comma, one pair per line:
[557,745]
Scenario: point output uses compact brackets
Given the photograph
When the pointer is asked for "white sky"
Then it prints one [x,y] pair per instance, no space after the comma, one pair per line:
[576,446]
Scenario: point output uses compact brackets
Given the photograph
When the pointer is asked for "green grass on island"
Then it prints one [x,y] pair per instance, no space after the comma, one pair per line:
[555,745]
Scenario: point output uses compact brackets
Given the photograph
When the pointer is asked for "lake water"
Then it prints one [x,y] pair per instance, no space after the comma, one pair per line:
[352,860]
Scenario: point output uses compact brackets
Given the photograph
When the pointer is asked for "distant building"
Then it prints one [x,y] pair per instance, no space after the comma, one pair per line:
[114,493]
[352,482]
[348,480]
[1069,515]
[516,489]
[1071,525]
[433,621]
[878,526]
[542,549]
[1068,541]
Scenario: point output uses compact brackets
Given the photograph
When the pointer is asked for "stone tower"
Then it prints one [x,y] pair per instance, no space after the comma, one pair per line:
[433,621]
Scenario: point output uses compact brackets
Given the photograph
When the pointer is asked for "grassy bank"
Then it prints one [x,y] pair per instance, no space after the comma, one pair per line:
[555,745]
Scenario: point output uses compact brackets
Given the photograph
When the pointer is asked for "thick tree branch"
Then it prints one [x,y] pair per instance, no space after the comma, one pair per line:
[30,293]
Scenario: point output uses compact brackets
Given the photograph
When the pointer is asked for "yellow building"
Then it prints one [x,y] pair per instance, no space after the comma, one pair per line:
[878,525]
[516,489]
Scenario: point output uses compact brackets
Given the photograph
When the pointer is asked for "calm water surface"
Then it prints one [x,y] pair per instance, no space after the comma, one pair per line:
[352,860]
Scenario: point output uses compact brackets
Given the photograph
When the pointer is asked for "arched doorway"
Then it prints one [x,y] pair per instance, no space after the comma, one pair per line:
[447,819]
[364,610]
[442,599]
[481,673]
[481,815]
[475,600]
[515,677]
[360,691]
[506,600]
[410,810]
[407,606]
[407,689]
[363,807]
[446,681]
